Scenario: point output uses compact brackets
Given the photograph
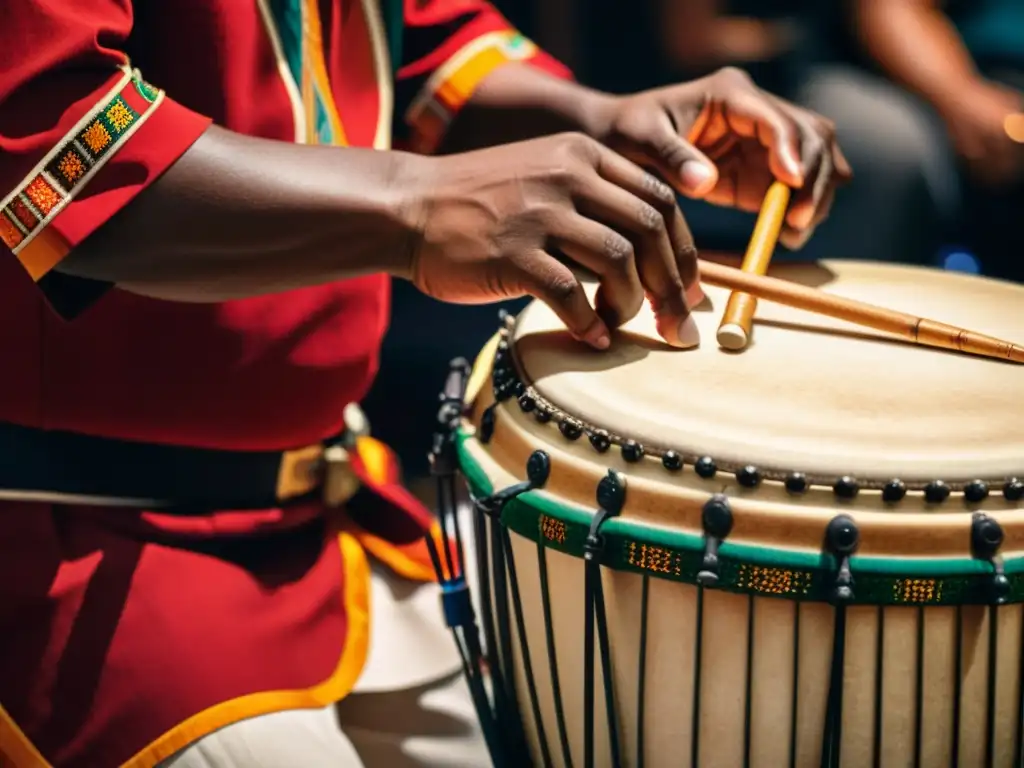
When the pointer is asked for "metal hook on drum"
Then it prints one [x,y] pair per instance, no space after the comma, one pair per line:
[717,519]
[986,539]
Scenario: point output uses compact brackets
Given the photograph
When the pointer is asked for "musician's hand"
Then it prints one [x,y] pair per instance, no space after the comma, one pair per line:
[504,222]
[975,117]
[723,139]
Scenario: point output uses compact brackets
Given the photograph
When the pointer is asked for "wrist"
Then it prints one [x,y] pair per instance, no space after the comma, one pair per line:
[405,207]
[595,112]
[949,100]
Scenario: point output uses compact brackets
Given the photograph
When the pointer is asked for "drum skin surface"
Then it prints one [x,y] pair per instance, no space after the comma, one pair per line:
[779,639]
[809,393]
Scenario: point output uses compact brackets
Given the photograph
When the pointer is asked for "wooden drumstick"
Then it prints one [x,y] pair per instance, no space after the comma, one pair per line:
[734,330]
[922,331]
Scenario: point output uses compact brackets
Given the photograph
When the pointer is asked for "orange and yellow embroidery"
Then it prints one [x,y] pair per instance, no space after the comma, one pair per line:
[47,190]
[453,84]
[70,168]
[42,195]
[120,115]
[9,233]
[22,213]
[97,138]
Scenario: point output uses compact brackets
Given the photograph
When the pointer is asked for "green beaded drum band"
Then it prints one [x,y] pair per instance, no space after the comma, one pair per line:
[743,568]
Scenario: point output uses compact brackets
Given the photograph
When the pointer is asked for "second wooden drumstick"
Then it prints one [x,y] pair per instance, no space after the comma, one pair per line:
[734,330]
[931,333]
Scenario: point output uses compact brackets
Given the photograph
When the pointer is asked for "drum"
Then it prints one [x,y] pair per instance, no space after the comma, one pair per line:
[807,553]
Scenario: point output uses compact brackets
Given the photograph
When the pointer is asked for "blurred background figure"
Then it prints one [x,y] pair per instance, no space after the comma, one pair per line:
[962,61]
[919,91]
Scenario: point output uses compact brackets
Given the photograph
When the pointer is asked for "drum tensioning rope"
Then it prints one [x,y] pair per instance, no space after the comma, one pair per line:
[502,729]
[501,575]
[611,497]
[449,566]
[842,538]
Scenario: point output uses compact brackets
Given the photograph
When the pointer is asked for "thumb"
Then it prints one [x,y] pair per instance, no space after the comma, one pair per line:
[690,170]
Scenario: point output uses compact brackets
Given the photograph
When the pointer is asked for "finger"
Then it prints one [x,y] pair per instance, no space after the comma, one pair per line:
[817,138]
[674,290]
[813,124]
[686,257]
[744,178]
[660,146]
[824,207]
[543,276]
[645,226]
[667,295]
[832,172]
[842,165]
[752,114]
[804,206]
[655,257]
[753,178]
[795,239]
[634,179]
[607,254]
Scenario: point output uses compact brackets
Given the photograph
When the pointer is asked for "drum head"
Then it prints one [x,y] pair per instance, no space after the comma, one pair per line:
[810,394]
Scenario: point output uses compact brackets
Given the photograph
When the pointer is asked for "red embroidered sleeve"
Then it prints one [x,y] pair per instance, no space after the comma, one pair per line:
[448,48]
[81,133]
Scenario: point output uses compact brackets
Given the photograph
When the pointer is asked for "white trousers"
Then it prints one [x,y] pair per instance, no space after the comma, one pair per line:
[432,726]
[410,709]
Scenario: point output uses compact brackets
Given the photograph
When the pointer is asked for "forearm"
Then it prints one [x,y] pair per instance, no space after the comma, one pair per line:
[915,43]
[238,216]
[519,102]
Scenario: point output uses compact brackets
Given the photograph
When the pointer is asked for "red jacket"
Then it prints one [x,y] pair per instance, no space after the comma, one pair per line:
[126,635]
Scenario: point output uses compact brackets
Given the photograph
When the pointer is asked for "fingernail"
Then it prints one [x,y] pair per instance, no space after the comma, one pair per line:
[602,341]
[695,174]
[688,335]
[695,295]
[794,167]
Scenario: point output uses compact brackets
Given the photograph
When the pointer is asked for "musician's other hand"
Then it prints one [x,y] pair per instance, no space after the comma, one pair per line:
[510,220]
[723,139]
[975,117]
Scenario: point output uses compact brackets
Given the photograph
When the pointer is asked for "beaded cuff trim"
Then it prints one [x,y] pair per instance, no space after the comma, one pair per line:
[508,382]
[68,167]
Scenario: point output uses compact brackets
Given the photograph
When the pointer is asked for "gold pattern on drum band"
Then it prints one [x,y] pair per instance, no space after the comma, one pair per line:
[759,579]
[768,580]
[917,591]
[552,529]
[655,559]
[625,552]
[572,427]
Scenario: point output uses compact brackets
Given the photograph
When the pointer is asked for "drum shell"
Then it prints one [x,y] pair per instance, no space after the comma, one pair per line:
[750,675]
[922,666]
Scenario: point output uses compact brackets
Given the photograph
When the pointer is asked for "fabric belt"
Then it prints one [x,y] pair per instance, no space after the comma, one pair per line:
[66,467]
